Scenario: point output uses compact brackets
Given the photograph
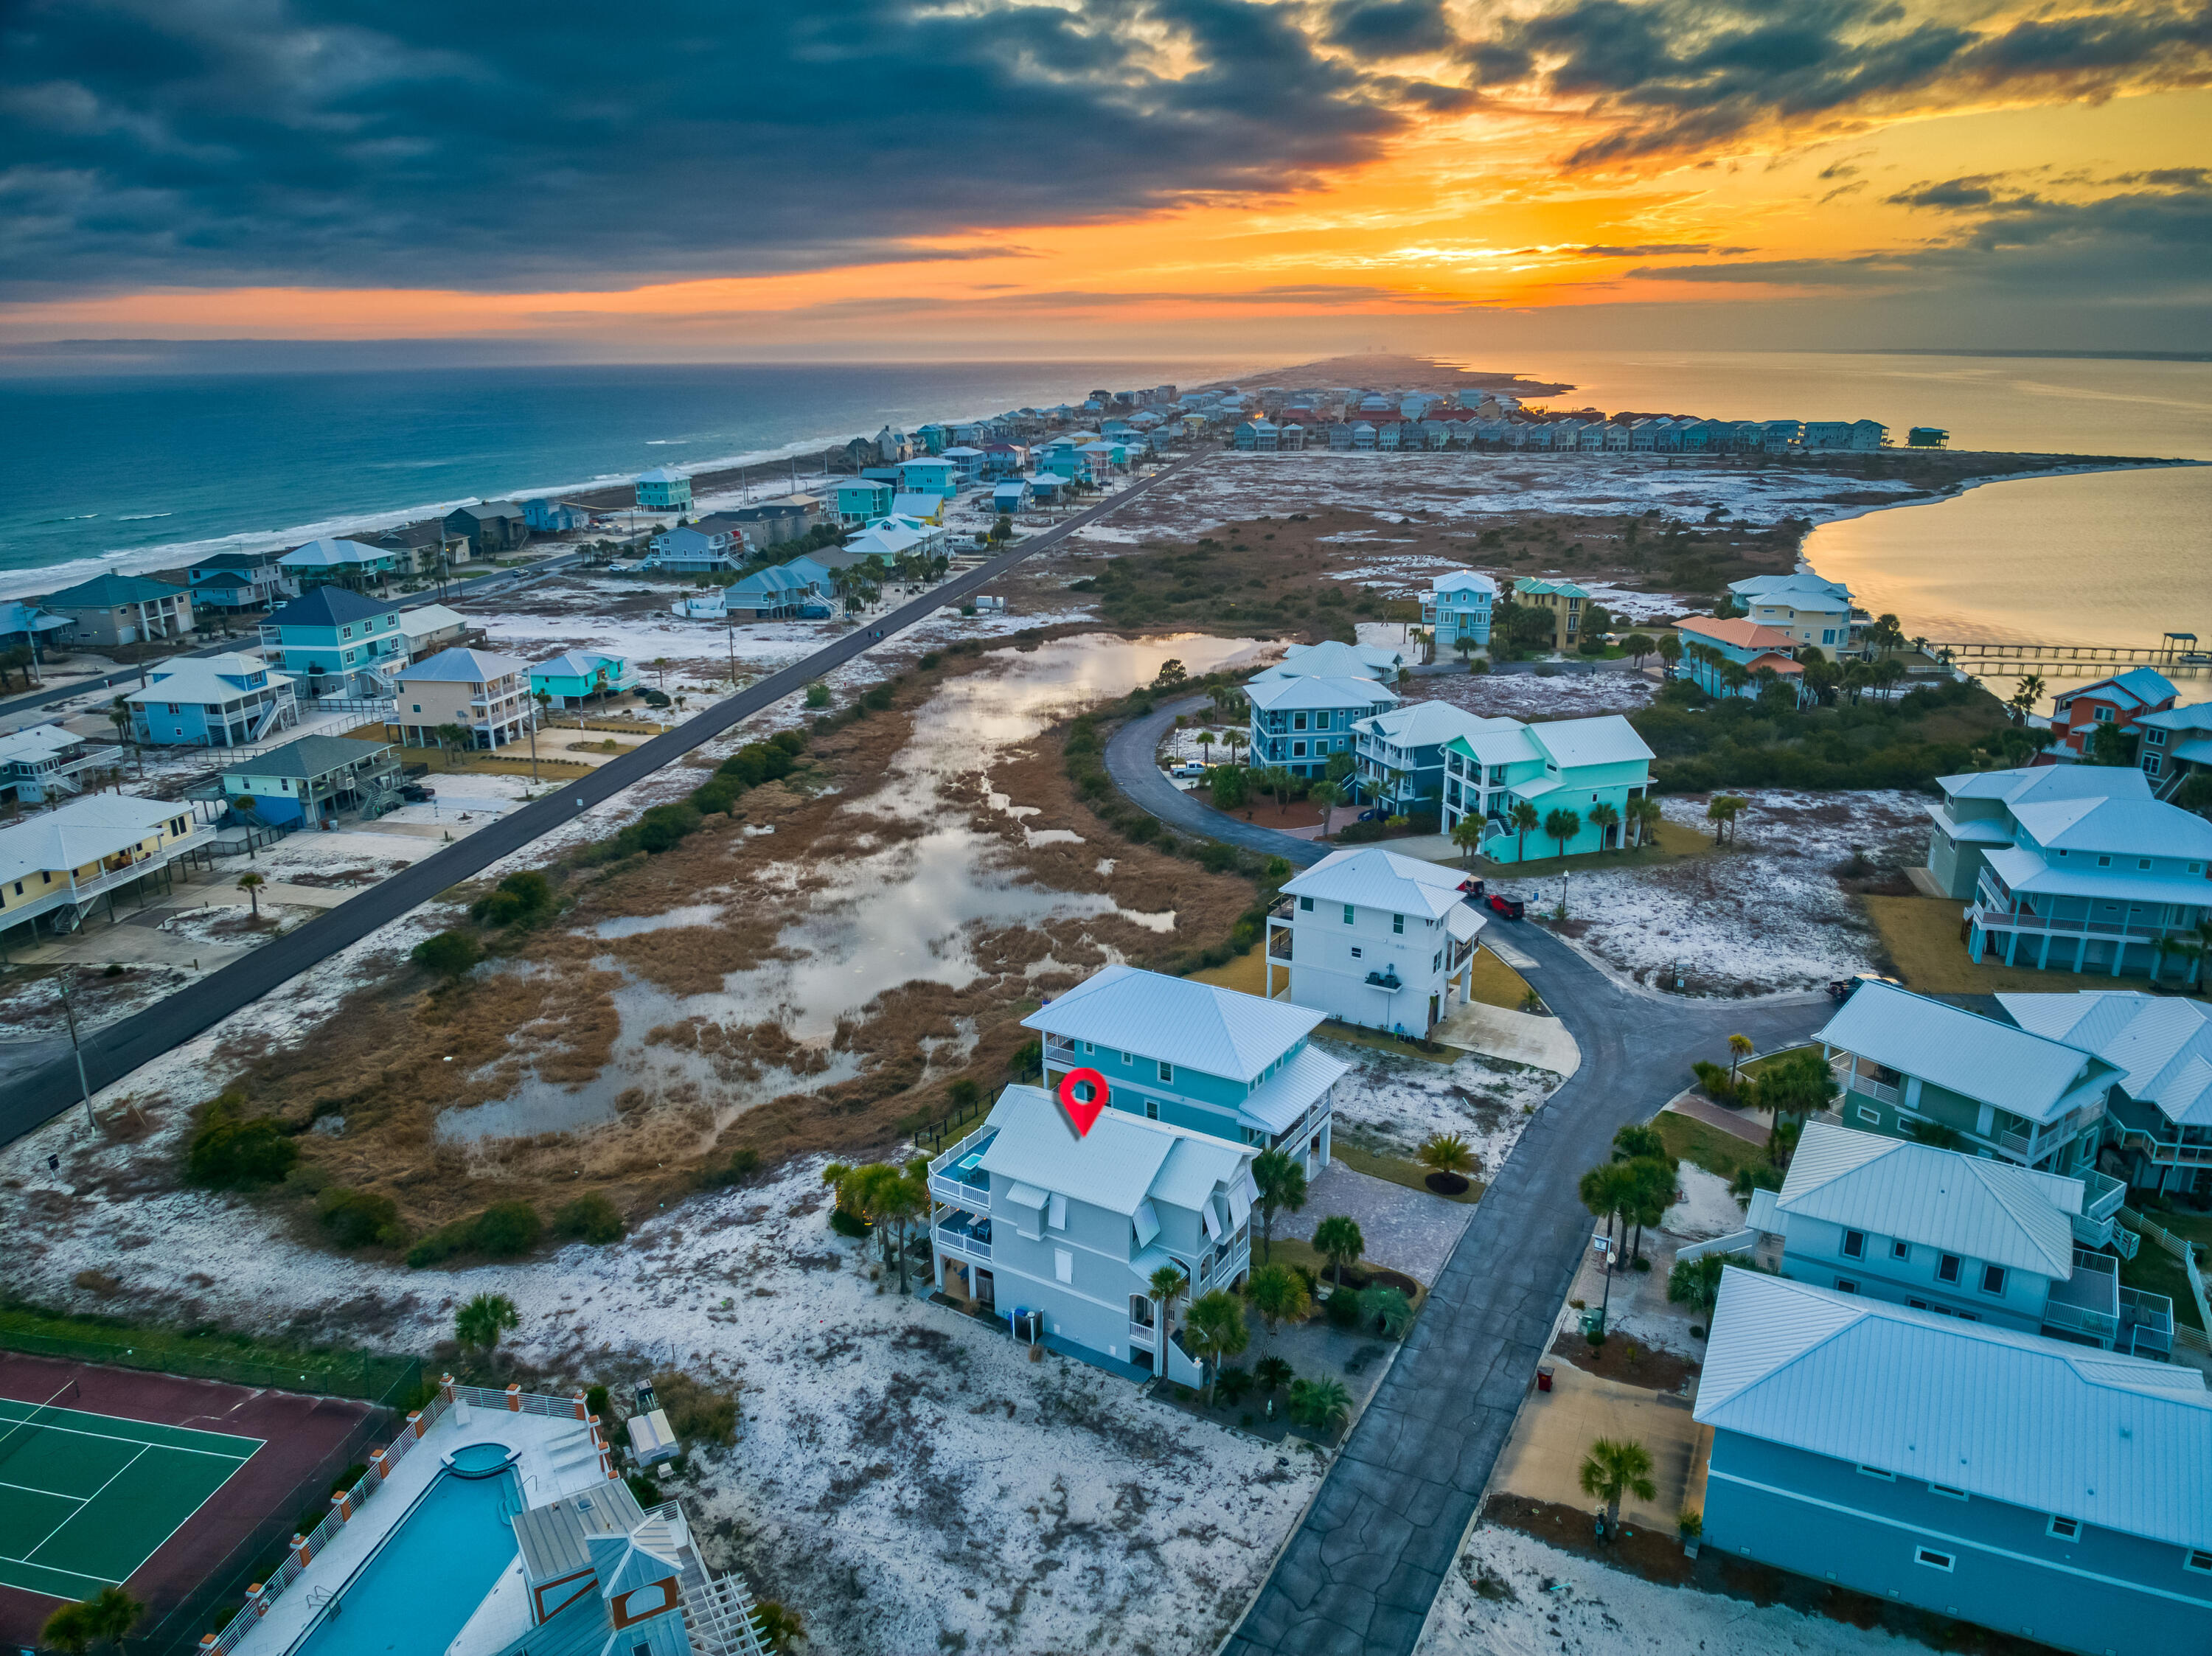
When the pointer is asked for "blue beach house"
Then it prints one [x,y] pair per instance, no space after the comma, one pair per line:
[574,676]
[1402,753]
[211,701]
[938,477]
[1710,646]
[1563,764]
[663,491]
[2046,1490]
[306,781]
[348,563]
[1010,497]
[859,499]
[1298,723]
[1457,606]
[334,632]
[1197,1057]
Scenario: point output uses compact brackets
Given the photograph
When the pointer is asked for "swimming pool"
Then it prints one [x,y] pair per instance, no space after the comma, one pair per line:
[429,1575]
[479,1459]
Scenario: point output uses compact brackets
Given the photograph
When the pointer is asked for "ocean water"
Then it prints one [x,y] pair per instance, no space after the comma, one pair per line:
[145,471]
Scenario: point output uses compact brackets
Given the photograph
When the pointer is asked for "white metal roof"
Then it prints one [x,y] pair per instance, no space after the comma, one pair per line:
[27,747]
[1320,691]
[2162,1044]
[327,553]
[2025,784]
[1286,1096]
[2134,828]
[1369,877]
[1426,723]
[2078,876]
[1115,1166]
[1603,739]
[1464,580]
[1506,742]
[84,830]
[1803,590]
[1965,1204]
[1465,921]
[2120,1442]
[429,618]
[1216,1031]
[203,679]
[661,475]
[1336,659]
[1976,1057]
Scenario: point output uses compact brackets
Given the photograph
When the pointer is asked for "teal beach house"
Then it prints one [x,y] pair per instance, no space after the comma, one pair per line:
[1574,764]
[574,676]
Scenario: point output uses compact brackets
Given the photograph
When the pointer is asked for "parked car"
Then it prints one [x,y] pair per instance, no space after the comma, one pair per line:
[416,793]
[1511,908]
[1188,768]
[1373,814]
[1844,988]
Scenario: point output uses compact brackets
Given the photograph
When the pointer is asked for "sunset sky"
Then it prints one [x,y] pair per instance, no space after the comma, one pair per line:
[854,177]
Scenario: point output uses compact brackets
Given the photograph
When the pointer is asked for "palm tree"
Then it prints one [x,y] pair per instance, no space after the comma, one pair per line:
[1562,826]
[1613,1468]
[1669,650]
[1639,645]
[1740,1048]
[251,884]
[1330,794]
[1465,646]
[1645,812]
[1272,1373]
[1282,1184]
[1337,1239]
[1206,740]
[1167,1284]
[2025,695]
[1722,812]
[1524,818]
[1322,1405]
[1604,818]
[119,714]
[450,738]
[1216,1328]
[1447,1153]
[1238,742]
[245,805]
[1466,835]
[1607,1190]
[478,1325]
[1278,1294]
[105,1619]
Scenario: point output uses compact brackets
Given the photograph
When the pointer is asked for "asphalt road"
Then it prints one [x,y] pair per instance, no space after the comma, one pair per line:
[113,1052]
[1367,1560]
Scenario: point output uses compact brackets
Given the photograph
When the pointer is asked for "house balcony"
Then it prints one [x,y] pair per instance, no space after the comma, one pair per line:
[2086,1307]
[2034,1146]
[1062,1054]
[966,1235]
[2101,1199]
[957,1176]
[2146,1325]
[1850,1079]
[117,872]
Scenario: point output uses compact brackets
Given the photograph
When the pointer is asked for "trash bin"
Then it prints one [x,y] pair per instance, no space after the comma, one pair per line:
[1543,1380]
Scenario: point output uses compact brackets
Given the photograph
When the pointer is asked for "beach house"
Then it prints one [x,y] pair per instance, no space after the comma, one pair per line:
[225,700]
[2045,1490]
[1010,496]
[2118,701]
[425,548]
[430,628]
[2174,745]
[1808,608]
[770,524]
[1299,722]
[238,580]
[662,490]
[2072,866]
[859,499]
[46,763]
[491,527]
[26,626]
[334,632]
[936,476]
[486,695]
[1197,1056]
[1374,939]
[2158,1116]
[1712,649]
[574,676]
[1334,660]
[347,563]
[1590,768]
[1399,754]
[1563,599]
[686,550]
[1458,606]
[548,516]
[1061,1231]
[1971,1237]
[1912,1067]
[314,780]
[57,866]
[120,610]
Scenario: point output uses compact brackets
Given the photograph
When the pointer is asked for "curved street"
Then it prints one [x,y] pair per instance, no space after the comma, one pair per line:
[1366,1561]
[112,1052]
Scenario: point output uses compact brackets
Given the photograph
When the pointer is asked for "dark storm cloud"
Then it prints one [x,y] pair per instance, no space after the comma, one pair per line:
[2140,245]
[1669,75]
[1390,28]
[458,143]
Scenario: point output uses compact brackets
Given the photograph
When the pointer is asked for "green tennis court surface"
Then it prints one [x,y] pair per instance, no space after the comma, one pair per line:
[86,1499]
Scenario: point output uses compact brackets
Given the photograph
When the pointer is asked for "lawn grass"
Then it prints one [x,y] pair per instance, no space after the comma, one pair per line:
[1245,973]
[503,763]
[1397,1170]
[2190,1227]
[1352,1036]
[1721,1154]
[1291,1251]
[1493,983]
[2154,1270]
[1752,1066]
[1921,937]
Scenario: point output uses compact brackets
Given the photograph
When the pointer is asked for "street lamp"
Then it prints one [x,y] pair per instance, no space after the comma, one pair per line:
[84,1085]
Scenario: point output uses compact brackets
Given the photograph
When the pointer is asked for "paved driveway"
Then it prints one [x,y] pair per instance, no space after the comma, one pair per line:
[1406,1229]
[1367,1560]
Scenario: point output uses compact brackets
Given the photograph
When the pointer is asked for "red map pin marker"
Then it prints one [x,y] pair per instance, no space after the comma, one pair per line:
[1082,1111]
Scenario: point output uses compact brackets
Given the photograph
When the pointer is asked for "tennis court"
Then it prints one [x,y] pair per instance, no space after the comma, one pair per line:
[85,1499]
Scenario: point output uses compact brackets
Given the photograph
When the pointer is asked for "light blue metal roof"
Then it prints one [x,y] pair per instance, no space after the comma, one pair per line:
[2162,1045]
[1118,1165]
[1603,739]
[1216,1031]
[1975,1057]
[1285,694]
[2133,827]
[2119,1442]
[1290,1092]
[1369,877]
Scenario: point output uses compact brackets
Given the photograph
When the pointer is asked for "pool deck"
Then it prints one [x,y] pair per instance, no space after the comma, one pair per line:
[535,1437]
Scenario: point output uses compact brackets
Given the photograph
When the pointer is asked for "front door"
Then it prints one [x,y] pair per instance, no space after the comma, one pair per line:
[1433,1011]
[983,1293]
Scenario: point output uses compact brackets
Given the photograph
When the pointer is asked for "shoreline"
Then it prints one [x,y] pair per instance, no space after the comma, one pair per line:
[1955,490]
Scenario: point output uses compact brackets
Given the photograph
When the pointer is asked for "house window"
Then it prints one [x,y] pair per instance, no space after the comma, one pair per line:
[2103,715]
[1355,951]
[1947,1491]
[1865,1114]
[1436,962]
[1935,1560]
[1855,1245]
[2156,738]
[1167,1070]
[1946,1268]
[1140,1311]
[2142,862]
[2104,862]
[1305,905]
[1063,1266]
[1297,750]
[1398,925]
[2062,1529]
[1089,1050]
[1900,1250]
[1845,1285]
[2198,1560]
[1993,1279]
[1866,1471]
[1127,1058]
[1347,914]
[1152,1109]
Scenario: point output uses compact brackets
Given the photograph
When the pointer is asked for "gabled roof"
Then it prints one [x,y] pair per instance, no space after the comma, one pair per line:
[332,606]
[328,554]
[1965,1204]
[1271,694]
[1371,878]
[552,1539]
[2197,716]
[1284,1097]
[429,618]
[2120,1442]
[1975,1057]
[310,756]
[1460,580]
[110,591]
[1123,1162]
[2162,1045]
[1736,633]
[1200,1026]
[462,665]
[1503,742]
[576,664]
[2141,687]
[776,578]
[2032,875]
[1536,586]
[1600,739]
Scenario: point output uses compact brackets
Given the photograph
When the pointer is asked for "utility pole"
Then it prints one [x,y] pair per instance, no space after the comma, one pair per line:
[84,1085]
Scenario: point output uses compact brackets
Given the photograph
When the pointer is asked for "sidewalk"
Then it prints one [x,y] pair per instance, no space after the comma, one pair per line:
[1520,1037]
[1749,1129]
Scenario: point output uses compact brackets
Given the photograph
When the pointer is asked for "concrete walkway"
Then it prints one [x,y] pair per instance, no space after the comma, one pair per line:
[1406,1229]
[1749,1128]
[1363,1568]
[1521,1037]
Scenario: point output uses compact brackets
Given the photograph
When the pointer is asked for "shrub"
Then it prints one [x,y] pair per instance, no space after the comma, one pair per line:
[848,1224]
[878,699]
[818,695]
[230,1152]
[505,1229]
[642,1486]
[1232,1384]
[439,1245]
[1388,1309]
[695,1413]
[930,661]
[450,955]
[744,1161]
[664,827]
[591,1218]
[1343,1308]
[354,1218]
[519,899]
